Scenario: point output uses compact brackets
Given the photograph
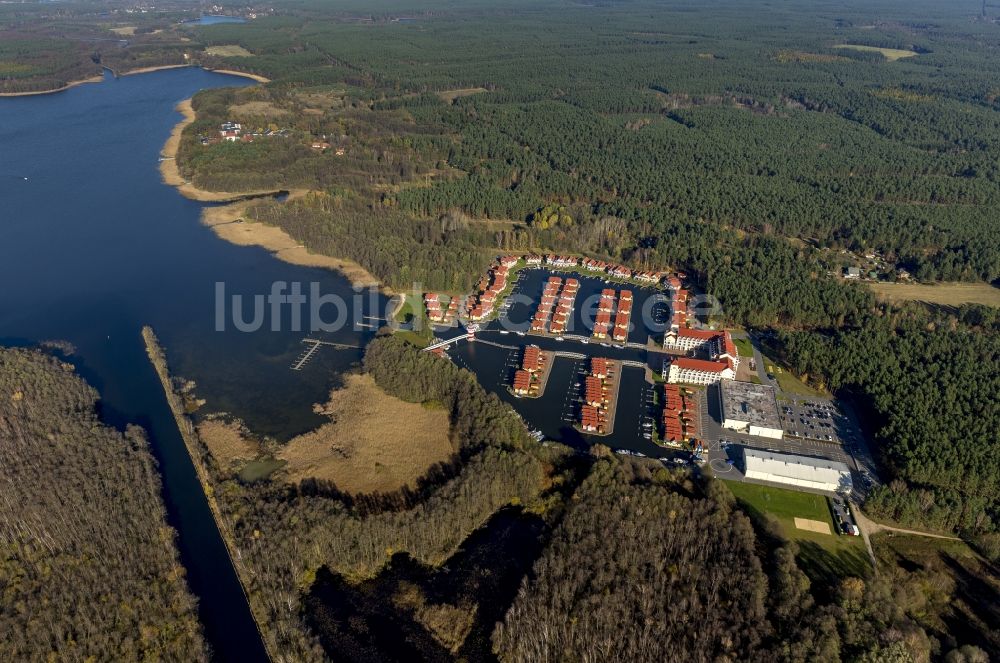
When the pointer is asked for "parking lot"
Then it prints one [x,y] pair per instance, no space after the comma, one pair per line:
[813,420]
[807,423]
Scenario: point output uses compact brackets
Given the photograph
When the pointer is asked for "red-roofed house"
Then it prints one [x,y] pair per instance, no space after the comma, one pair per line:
[522,382]
[699,371]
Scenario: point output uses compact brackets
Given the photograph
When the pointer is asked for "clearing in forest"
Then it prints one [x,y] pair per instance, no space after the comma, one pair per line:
[449,96]
[890,54]
[229,51]
[947,294]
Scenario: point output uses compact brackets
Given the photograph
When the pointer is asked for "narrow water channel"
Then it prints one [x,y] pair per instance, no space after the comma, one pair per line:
[93,246]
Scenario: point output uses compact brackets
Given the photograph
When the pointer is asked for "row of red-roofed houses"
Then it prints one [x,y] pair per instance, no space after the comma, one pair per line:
[568,261]
[555,309]
[623,317]
[522,382]
[527,378]
[436,312]
[680,416]
[602,319]
[679,315]
[622,311]
[621,271]
[481,305]
[594,412]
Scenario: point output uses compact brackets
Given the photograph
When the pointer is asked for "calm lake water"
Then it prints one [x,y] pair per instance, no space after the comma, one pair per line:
[215,20]
[93,246]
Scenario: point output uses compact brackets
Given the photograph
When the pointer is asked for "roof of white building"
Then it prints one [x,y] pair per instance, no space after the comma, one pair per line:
[755,404]
[795,467]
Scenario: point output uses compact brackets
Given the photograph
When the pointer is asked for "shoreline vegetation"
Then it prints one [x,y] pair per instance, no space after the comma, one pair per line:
[158,358]
[142,70]
[229,223]
[373,443]
[34,93]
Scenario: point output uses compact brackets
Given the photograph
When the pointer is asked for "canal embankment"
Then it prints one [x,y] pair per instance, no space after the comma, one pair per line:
[197,453]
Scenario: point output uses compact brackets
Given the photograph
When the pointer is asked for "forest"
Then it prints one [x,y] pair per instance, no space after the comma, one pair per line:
[760,125]
[927,379]
[668,587]
[506,557]
[90,569]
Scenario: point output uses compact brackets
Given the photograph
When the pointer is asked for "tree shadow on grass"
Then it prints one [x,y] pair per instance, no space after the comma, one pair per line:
[826,568]
[982,599]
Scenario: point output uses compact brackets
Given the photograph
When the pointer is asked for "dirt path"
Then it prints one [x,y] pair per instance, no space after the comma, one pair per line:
[873,528]
[869,527]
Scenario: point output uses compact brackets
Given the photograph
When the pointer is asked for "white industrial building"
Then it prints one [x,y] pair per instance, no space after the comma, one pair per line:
[801,471]
[750,408]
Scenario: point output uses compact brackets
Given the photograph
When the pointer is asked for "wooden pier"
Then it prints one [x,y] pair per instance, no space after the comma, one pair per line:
[314,346]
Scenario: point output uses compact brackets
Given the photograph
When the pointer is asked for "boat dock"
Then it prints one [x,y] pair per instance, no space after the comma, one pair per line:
[314,346]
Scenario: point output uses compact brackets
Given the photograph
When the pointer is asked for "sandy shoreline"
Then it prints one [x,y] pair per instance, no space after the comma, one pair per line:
[231,72]
[171,173]
[228,221]
[142,70]
[92,79]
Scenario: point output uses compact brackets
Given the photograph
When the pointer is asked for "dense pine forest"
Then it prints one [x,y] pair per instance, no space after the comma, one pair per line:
[759,124]
[929,382]
[89,568]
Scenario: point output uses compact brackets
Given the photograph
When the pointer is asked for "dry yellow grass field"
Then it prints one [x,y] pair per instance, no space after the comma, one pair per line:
[948,294]
[229,51]
[373,443]
[812,525]
[890,54]
[125,31]
[449,96]
[226,443]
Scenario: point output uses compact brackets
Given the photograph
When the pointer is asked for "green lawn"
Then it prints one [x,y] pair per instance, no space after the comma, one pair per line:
[743,347]
[406,312]
[787,381]
[824,557]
